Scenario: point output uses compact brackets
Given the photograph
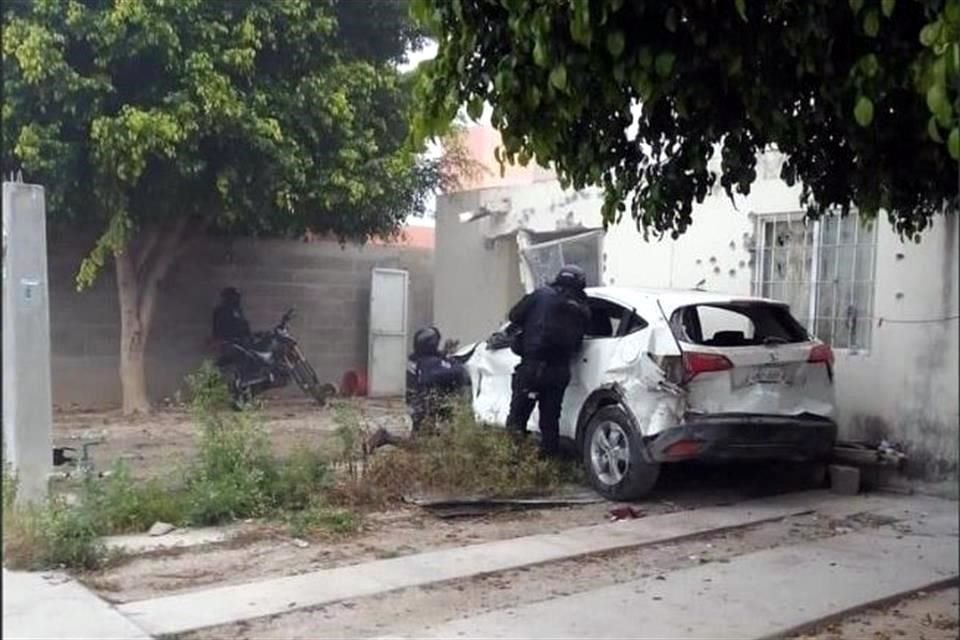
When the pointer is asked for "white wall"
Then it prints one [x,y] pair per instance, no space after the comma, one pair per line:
[477,278]
[906,386]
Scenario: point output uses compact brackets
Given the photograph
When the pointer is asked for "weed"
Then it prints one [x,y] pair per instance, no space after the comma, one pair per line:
[466,457]
[320,518]
[351,431]
[236,474]
[50,534]
[121,505]
[300,479]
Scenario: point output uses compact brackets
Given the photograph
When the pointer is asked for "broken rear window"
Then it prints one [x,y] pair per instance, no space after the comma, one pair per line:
[736,325]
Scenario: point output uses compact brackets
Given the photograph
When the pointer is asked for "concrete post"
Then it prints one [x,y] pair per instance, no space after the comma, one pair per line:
[27,402]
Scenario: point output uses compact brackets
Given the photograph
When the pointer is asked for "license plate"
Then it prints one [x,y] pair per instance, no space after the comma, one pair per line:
[768,375]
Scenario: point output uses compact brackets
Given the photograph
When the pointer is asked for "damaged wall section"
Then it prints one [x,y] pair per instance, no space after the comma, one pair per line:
[904,388]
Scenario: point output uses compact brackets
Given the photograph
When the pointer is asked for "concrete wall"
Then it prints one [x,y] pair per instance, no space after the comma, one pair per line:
[477,279]
[905,388]
[328,286]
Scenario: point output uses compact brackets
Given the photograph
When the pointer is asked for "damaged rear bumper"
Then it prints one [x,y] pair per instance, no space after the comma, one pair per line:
[745,437]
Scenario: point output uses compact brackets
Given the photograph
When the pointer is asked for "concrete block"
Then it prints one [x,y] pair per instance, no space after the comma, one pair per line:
[844,480]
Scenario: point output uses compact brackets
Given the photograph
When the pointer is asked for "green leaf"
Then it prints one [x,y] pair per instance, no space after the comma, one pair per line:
[870,65]
[953,143]
[938,103]
[540,54]
[930,34]
[871,23]
[742,8]
[664,63]
[863,112]
[558,77]
[952,11]
[887,7]
[934,131]
[616,43]
[855,6]
[475,108]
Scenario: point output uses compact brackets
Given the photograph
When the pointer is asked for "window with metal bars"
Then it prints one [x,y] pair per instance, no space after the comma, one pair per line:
[824,270]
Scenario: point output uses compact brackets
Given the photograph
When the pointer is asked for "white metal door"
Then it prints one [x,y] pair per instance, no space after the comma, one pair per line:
[387,364]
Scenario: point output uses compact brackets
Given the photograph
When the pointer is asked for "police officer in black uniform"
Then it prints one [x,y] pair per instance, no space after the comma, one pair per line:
[433,381]
[229,323]
[552,322]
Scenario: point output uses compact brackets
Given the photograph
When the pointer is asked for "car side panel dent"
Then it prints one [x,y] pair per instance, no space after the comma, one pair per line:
[643,390]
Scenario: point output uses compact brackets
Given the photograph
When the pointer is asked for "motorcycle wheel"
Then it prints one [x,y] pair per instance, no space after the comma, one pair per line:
[306,378]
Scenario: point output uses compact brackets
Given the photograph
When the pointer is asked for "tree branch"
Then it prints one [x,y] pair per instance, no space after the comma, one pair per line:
[146,252]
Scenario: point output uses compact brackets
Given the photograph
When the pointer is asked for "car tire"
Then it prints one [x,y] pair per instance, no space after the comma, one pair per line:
[613,456]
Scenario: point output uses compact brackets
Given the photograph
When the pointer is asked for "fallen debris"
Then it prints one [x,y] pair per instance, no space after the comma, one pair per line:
[458,507]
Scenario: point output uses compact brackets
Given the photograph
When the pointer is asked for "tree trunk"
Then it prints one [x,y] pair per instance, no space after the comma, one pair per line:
[138,275]
[133,336]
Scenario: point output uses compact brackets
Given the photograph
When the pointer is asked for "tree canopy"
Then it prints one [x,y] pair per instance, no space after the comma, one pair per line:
[151,122]
[862,97]
[250,116]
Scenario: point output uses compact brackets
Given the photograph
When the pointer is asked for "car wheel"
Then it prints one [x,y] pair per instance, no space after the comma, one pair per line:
[613,457]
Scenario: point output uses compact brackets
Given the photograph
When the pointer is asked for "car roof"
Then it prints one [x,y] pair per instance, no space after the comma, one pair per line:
[670,299]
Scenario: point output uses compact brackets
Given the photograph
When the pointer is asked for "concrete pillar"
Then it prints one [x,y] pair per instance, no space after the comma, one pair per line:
[27,402]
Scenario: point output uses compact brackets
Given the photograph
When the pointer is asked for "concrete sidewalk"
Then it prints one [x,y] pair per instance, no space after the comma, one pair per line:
[767,594]
[41,606]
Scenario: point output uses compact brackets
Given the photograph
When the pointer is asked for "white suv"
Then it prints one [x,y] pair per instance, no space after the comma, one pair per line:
[671,375]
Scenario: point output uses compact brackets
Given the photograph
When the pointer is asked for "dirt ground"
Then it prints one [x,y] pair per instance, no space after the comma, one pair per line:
[925,616]
[154,445]
[264,550]
[407,611]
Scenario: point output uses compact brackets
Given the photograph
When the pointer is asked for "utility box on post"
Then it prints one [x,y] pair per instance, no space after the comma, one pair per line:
[27,400]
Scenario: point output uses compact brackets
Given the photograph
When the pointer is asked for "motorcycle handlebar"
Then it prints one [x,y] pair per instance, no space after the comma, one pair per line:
[287,317]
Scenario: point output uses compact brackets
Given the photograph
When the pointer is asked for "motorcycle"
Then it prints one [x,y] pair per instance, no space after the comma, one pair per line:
[270,360]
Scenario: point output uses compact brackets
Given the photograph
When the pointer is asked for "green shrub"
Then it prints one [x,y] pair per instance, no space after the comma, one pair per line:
[51,534]
[322,519]
[120,504]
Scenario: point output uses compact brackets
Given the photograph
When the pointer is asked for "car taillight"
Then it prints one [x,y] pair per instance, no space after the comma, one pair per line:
[821,353]
[696,363]
[683,449]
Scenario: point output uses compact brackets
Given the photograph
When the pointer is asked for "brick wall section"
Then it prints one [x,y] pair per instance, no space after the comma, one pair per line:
[328,285]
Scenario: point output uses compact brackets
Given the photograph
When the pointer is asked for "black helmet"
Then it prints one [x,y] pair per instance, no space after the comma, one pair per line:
[426,341]
[571,277]
[230,295]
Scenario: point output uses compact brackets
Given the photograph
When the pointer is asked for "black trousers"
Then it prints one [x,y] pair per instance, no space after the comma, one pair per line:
[543,384]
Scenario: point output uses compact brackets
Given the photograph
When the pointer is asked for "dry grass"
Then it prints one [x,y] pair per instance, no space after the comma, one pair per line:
[463,458]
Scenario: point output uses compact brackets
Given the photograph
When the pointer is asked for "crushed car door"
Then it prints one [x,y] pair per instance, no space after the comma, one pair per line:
[635,360]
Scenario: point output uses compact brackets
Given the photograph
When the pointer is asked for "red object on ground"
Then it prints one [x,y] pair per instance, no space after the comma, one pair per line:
[625,513]
[354,383]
